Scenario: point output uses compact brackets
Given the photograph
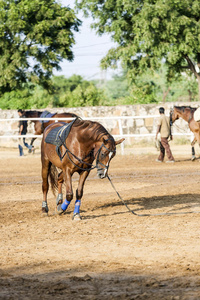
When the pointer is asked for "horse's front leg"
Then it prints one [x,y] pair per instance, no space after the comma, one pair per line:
[32,140]
[31,144]
[69,191]
[79,194]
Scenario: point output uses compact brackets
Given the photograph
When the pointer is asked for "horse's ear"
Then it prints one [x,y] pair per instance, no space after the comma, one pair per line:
[105,141]
[119,142]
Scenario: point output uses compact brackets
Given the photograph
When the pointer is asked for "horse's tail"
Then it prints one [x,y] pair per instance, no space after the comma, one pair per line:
[53,175]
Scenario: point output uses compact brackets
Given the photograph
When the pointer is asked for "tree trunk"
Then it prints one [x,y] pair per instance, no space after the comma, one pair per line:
[198,79]
[165,94]
[190,95]
[191,66]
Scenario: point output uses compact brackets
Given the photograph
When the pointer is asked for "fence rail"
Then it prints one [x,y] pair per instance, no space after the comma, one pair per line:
[93,118]
[117,118]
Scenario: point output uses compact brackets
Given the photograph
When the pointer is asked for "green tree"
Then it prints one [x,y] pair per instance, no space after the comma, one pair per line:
[147,31]
[34,38]
[117,87]
[16,99]
[67,92]
[80,93]
[28,97]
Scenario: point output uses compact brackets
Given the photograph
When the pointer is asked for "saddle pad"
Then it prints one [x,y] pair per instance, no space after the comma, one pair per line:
[197,115]
[46,114]
[58,135]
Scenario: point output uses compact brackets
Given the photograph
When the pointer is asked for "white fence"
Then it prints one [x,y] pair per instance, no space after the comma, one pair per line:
[118,119]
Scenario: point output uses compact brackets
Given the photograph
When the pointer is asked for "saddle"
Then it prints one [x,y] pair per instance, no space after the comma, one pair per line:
[58,135]
[46,114]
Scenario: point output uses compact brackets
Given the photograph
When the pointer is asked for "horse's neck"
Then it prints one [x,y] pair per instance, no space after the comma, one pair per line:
[185,116]
[93,131]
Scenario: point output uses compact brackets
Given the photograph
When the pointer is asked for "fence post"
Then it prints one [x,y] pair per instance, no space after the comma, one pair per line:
[121,133]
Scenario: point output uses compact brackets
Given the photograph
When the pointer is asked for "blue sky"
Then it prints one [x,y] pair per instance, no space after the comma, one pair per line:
[88,51]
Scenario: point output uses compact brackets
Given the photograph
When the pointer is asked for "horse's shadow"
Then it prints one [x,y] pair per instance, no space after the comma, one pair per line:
[152,206]
[188,159]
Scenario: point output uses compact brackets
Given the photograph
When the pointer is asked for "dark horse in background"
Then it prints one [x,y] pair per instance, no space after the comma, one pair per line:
[187,114]
[85,142]
[40,125]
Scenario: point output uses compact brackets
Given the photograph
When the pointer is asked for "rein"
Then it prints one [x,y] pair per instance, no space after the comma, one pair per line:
[149,215]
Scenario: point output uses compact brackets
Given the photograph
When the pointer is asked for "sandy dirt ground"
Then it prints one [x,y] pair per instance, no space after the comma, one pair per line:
[111,253]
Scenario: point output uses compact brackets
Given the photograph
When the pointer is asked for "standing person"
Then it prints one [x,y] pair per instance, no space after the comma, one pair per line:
[165,132]
[22,131]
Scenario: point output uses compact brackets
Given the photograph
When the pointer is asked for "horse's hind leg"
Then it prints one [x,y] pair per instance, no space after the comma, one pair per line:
[45,184]
[193,154]
[193,150]
[59,199]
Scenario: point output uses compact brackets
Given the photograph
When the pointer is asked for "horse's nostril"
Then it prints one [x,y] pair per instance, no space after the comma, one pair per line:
[100,172]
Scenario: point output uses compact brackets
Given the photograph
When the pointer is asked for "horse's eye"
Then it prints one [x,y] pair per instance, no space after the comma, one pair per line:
[103,155]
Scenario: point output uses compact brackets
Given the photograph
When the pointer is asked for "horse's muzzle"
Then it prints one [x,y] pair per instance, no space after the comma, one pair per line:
[101,172]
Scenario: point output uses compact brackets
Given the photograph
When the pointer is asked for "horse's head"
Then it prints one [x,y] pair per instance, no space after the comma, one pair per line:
[105,153]
[174,115]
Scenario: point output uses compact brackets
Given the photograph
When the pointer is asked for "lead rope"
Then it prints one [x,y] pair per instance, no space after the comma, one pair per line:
[149,215]
[121,197]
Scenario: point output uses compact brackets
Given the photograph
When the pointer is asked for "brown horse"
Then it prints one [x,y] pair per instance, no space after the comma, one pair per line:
[39,126]
[187,114]
[85,142]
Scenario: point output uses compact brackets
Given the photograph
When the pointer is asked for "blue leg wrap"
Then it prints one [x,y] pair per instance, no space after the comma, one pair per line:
[77,206]
[65,204]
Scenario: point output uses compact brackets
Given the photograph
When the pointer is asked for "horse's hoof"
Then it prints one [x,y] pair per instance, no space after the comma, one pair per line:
[45,208]
[193,158]
[45,212]
[76,217]
[59,210]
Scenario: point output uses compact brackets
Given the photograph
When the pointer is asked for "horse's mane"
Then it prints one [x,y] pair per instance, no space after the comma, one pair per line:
[32,113]
[182,108]
[96,129]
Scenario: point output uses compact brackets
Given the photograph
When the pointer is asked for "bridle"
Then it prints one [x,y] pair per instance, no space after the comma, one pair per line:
[99,152]
[90,166]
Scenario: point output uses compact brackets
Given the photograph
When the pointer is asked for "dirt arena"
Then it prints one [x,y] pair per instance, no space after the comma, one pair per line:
[111,253]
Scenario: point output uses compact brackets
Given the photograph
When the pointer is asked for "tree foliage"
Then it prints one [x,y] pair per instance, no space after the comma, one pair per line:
[74,91]
[34,38]
[67,92]
[147,31]
[117,87]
